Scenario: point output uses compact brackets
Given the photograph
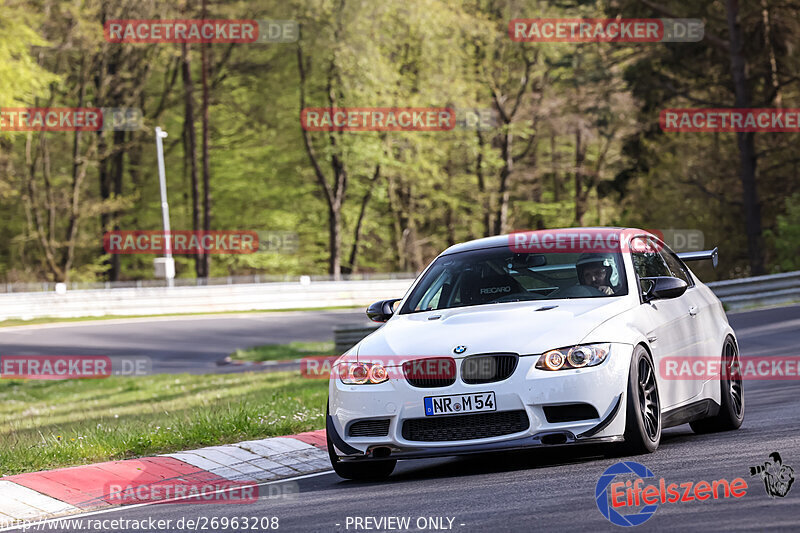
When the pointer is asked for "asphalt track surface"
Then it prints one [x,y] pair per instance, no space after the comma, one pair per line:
[192,344]
[553,490]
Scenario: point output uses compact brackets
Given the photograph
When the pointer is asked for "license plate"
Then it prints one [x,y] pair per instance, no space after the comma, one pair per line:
[459,404]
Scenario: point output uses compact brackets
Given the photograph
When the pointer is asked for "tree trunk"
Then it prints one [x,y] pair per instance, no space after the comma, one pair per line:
[335,223]
[400,203]
[773,63]
[335,241]
[105,194]
[485,200]
[32,195]
[117,173]
[190,137]
[555,168]
[48,188]
[746,143]
[334,196]
[206,267]
[580,198]
[501,216]
[397,223]
[134,168]
[537,187]
[411,232]
[78,175]
[361,216]
[449,219]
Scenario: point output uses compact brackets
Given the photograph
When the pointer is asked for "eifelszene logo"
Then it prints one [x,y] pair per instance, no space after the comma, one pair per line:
[616,497]
[778,477]
[603,498]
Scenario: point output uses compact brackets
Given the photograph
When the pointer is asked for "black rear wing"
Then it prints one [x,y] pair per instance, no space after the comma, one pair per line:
[703,255]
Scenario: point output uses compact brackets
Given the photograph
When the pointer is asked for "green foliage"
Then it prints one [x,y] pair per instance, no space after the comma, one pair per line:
[786,237]
[434,188]
[21,78]
[279,352]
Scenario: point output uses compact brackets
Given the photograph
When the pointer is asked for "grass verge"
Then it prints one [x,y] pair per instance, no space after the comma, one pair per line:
[49,424]
[277,352]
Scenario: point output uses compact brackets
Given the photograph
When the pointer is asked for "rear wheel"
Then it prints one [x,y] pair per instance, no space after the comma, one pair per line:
[731,410]
[643,410]
[363,471]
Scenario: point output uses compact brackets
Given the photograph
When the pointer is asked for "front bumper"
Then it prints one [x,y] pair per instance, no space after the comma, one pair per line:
[604,387]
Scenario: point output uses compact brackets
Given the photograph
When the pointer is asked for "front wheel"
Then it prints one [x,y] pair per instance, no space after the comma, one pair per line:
[643,410]
[366,471]
[731,410]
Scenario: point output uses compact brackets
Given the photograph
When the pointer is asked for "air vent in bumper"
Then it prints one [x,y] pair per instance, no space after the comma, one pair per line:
[569,413]
[465,427]
[369,428]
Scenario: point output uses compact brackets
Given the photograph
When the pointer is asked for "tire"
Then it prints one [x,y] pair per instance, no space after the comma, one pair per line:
[731,410]
[365,471]
[643,406]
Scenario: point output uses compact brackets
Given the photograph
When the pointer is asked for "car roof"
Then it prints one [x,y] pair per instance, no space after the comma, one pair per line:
[498,241]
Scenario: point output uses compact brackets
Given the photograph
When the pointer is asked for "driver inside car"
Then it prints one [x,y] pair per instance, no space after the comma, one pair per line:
[594,270]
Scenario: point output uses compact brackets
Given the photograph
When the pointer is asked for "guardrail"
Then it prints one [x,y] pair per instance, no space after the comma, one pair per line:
[45,286]
[348,335]
[163,300]
[757,291]
[735,294]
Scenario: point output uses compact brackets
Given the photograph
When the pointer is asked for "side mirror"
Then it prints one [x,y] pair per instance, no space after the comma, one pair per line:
[382,311]
[662,288]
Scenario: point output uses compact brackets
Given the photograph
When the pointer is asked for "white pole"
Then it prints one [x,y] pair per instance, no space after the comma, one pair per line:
[170,272]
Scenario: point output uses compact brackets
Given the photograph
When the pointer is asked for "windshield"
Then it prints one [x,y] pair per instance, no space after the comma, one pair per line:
[499,275]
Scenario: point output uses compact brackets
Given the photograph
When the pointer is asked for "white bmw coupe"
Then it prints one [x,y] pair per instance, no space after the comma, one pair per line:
[536,339]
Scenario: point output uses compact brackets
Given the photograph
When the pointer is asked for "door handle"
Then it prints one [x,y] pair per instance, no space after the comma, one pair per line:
[693,310]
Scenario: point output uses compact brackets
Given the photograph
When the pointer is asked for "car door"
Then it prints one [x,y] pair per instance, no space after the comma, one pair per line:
[701,318]
[669,327]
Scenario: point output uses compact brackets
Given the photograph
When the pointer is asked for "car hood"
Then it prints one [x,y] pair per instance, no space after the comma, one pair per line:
[519,327]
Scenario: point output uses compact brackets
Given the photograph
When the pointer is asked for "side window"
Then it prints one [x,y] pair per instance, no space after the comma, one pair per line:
[647,261]
[676,268]
[432,297]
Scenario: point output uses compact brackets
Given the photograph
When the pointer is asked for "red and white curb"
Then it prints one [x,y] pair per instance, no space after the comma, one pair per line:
[53,493]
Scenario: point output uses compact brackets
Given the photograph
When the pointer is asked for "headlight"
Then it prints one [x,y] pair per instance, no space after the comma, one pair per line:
[552,360]
[575,357]
[363,374]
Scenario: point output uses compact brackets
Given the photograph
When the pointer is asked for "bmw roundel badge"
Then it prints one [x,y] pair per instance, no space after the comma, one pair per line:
[460,349]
